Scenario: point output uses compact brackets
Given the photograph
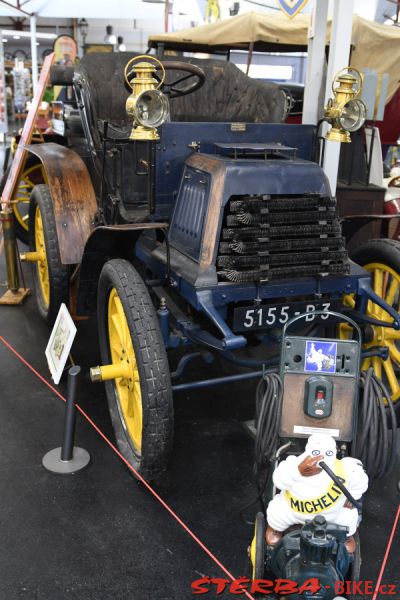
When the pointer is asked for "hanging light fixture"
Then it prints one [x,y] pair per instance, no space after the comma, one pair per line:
[83,29]
[234,9]
[121,45]
[110,38]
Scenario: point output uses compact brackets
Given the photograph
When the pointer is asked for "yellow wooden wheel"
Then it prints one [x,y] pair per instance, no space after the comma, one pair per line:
[135,369]
[381,258]
[31,176]
[123,356]
[41,264]
[257,548]
[50,276]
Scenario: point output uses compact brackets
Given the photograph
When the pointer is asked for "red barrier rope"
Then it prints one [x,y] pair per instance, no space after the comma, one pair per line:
[164,504]
[378,583]
[117,452]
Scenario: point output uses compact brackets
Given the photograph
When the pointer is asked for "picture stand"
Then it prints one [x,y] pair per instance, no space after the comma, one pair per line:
[68,459]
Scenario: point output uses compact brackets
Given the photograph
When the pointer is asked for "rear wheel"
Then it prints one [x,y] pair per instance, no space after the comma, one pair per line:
[138,390]
[381,258]
[356,564]
[50,276]
[33,174]
[257,548]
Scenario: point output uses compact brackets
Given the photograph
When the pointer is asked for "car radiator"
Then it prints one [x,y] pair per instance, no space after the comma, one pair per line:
[277,237]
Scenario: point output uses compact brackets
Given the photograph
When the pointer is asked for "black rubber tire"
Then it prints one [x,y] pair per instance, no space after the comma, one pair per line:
[355,568]
[382,250]
[58,273]
[152,363]
[356,564]
[259,567]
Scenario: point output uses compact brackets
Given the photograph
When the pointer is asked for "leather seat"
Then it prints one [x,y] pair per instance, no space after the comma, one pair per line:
[227,94]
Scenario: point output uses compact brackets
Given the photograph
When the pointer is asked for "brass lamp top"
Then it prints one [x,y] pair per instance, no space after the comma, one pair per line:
[345,90]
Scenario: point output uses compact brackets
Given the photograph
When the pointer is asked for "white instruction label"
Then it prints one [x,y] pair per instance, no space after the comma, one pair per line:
[311,430]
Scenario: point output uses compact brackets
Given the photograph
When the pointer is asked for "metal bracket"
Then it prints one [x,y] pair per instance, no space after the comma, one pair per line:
[230,341]
[365,290]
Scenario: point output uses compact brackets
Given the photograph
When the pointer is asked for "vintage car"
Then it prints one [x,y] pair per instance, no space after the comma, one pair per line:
[175,202]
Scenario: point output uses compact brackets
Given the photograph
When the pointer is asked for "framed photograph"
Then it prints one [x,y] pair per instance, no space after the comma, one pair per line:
[90,48]
[60,343]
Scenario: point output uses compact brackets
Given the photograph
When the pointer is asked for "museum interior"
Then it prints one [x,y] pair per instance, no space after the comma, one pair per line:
[199,378]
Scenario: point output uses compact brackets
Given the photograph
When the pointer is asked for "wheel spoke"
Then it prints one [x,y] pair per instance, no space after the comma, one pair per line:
[119,328]
[377,366]
[378,282]
[116,348]
[366,364]
[345,331]
[127,341]
[394,352]
[392,334]
[42,266]
[390,374]
[390,293]
[127,388]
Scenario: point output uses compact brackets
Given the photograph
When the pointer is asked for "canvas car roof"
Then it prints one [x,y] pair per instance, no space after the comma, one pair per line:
[374,45]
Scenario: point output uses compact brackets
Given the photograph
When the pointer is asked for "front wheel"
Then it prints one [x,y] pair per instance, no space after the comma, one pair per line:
[138,389]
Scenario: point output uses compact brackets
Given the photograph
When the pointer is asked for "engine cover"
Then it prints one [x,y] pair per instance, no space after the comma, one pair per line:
[255,218]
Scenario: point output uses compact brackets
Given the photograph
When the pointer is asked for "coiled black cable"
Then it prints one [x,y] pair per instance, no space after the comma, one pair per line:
[268,411]
[377,427]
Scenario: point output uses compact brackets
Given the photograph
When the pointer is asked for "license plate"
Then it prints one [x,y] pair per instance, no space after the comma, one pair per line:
[248,318]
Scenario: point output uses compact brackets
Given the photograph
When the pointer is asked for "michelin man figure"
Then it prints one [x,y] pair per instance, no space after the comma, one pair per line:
[307,490]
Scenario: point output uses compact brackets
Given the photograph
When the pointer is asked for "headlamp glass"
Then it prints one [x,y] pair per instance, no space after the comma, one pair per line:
[353,115]
[152,108]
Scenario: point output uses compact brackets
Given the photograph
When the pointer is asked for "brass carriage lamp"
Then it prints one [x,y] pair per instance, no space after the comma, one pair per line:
[147,105]
[345,112]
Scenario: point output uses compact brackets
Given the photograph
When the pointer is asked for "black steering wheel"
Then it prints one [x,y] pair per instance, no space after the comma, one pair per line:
[173,89]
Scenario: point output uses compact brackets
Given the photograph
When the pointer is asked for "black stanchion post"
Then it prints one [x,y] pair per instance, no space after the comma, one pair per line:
[67,447]
[68,458]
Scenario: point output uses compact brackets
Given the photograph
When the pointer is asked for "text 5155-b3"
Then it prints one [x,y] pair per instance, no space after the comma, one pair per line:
[274,315]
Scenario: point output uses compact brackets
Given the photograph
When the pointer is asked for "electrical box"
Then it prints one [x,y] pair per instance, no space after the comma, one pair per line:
[320,387]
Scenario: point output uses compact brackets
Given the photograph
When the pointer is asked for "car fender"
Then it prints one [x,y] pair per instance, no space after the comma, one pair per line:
[74,199]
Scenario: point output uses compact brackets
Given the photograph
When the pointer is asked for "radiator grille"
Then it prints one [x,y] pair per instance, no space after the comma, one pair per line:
[276,237]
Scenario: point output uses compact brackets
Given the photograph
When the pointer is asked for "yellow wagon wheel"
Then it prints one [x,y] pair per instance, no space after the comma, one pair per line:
[135,369]
[381,258]
[31,176]
[50,276]
[41,264]
[123,355]
[257,548]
